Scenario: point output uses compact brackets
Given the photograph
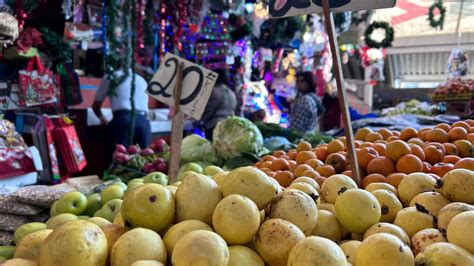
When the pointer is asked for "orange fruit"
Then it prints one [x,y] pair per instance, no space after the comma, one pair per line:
[365,145]
[395,179]
[271,174]
[300,169]
[380,148]
[427,167]
[416,141]
[314,163]
[381,141]
[258,164]
[457,133]
[320,180]
[381,165]
[292,163]
[280,164]
[321,153]
[303,146]
[373,136]
[279,153]
[335,146]
[450,159]
[385,133]
[433,154]
[357,143]
[437,135]
[441,169]
[396,133]
[292,154]
[325,170]
[408,133]
[268,158]
[372,178]
[286,157]
[450,149]
[422,135]
[304,156]
[409,163]
[471,130]
[470,137]
[365,155]
[310,173]
[284,178]
[443,126]
[465,148]
[397,149]
[266,164]
[361,134]
[463,124]
[392,138]
[417,151]
[347,173]
[337,161]
[470,122]
[466,163]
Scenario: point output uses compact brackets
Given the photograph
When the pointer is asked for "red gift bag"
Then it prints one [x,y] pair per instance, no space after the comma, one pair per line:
[53,156]
[37,85]
[69,147]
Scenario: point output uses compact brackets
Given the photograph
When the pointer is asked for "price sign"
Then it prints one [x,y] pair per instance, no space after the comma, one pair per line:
[197,85]
[288,8]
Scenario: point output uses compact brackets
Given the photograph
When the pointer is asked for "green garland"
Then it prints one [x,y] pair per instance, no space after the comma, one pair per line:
[389,35]
[55,46]
[442,14]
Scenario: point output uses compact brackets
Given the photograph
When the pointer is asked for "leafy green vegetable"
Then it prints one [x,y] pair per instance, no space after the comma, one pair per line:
[195,148]
[235,136]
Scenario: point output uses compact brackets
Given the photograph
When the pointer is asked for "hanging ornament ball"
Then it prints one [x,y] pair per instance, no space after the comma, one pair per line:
[193,28]
[386,41]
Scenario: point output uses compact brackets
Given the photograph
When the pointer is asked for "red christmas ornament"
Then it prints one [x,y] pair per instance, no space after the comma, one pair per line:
[193,28]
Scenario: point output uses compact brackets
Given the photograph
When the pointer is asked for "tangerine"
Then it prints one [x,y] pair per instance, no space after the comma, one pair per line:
[409,163]
[470,122]
[326,170]
[396,133]
[304,146]
[292,154]
[284,178]
[433,154]
[427,167]
[381,165]
[408,133]
[381,148]
[392,138]
[443,126]
[279,153]
[397,149]
[337,161]
[463,124]
[365,145]
[450,159]
[314,163]
[417,151]
[470,137]
[321,153]
[361,134]
[441,169]
[304,156]
[320,180]
[300,169]
[437,135]
[466,163]
[310,173]
[373,178]
[373,136]
[450,149]
[457,133]
[465,148]
[416,141]
[385,133]
[365,155]
[335,146]
[395,179]
[280,164]
[422,135]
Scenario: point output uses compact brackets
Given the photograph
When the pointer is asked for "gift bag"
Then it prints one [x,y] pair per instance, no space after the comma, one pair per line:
[51,148]
[70,87]
[36,83]
[69,146]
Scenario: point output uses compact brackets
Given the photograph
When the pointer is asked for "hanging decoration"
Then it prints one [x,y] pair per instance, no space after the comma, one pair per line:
[386,41]
[458,63]
[162,32]
[78,11]
[279,32]
[66,6]
[242,27]
[431,16]
[342,22]
[140,44]
[197,10]
[180,21]
[56,48]
[28,38]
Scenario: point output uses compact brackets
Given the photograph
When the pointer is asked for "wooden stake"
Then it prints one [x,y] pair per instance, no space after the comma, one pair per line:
[341,91]
[176,128]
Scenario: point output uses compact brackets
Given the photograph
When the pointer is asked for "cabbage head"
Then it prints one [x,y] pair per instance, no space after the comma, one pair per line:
[235,136]
[194,148]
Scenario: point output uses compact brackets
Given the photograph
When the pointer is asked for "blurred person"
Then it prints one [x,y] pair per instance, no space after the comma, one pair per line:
[306,107]
[222,103]
[118,127]
[332,113]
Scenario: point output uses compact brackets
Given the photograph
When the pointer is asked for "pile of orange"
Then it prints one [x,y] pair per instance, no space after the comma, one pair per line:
[383,155]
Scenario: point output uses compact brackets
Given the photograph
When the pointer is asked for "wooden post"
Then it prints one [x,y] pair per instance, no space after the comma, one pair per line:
[176,128]
[341,91]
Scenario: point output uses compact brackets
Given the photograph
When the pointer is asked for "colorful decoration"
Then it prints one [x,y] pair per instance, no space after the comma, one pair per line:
[181,20]
[55,46]
[279,32]
[342,22]
[431,16]
[387,39]
[66,6]
[28,38]
[458,64]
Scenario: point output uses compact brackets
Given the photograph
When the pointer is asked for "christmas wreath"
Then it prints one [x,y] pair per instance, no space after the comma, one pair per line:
[431,16]
[389,35]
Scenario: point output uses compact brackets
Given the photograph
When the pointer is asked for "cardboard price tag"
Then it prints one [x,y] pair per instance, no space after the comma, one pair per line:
[288,8]
[198,83]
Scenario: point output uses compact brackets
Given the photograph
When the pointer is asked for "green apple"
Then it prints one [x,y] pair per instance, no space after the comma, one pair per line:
[193,167]
[7,251]
[109,210]
[212,170]
[112,192]
[122,184]
[135,180]
[53,211]
[73,202]
[26,229]
[93,204]
[60,219]
[157,178]
[99,221]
